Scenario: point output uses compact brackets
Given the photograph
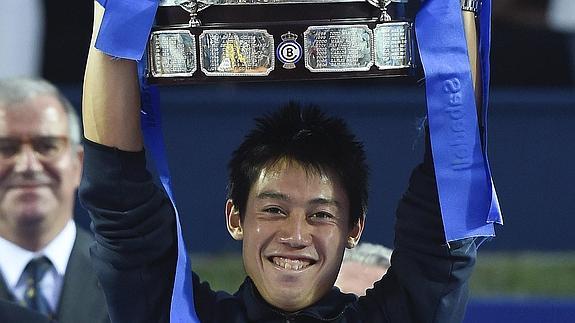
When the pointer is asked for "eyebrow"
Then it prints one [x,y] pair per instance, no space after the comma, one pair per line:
[325,201]
[283,197]
[273,195]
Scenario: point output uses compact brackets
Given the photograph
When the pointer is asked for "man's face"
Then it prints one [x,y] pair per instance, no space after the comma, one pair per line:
[36,192]
[294,234]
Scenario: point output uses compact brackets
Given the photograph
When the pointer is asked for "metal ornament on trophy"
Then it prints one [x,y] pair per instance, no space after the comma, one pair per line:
[248,40]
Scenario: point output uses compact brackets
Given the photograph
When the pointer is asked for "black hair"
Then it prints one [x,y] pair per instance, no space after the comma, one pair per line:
[312,139]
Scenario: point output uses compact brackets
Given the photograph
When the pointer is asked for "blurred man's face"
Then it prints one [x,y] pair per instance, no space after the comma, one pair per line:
[39,171]
[294,234]
[356,278]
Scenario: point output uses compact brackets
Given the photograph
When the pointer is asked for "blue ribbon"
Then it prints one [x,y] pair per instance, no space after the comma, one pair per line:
[468,200]
[484,53]
[125,27]
[182,309]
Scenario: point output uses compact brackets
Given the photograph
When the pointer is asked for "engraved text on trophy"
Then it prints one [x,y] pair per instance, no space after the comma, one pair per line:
[236,52]
[338,48]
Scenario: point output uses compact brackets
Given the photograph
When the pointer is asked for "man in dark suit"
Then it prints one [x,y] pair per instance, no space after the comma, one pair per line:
[10,312]
[44,257]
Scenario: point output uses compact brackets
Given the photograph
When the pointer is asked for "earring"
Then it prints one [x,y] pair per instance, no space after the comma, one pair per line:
[351,243]
[238,233]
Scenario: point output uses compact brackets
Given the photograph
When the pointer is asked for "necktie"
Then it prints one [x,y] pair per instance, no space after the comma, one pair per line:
[33,273]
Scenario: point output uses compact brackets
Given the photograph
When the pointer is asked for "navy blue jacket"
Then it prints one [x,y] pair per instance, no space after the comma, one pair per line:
[135,256]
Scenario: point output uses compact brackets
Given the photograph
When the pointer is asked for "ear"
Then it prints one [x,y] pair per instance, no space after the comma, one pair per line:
[233,221]
[355,233]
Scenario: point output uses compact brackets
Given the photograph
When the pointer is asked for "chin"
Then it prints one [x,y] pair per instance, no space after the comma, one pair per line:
[291,299]
[31,216]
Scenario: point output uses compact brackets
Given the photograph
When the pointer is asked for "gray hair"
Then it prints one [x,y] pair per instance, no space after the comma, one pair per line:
[18,90]
[369,254]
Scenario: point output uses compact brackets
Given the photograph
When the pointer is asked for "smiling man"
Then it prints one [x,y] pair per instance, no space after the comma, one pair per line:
[290,207]
[44,261]
[297,199]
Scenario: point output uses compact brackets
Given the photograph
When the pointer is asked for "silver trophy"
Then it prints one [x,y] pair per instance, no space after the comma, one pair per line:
[236,52]
[338,48]
[198,45]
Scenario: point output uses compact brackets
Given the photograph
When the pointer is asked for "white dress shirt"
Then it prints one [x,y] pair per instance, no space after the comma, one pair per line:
[13,260]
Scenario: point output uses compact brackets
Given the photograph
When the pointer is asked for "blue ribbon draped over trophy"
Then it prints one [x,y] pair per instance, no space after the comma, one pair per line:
[468,199]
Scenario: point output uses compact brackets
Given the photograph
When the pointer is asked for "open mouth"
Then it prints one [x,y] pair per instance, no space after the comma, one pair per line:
[291,264]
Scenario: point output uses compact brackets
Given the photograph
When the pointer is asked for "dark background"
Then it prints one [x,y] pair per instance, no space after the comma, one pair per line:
[531,149]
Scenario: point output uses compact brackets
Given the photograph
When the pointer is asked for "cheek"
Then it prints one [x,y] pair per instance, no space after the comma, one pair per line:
[329,244]
[332,237]
[257,234]
[66,171]
[253,244]
[55,170]
[4,172]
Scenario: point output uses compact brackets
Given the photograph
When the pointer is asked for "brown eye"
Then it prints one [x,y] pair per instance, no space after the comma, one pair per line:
[322,216]
[274,210]
[48,146]
[9,147]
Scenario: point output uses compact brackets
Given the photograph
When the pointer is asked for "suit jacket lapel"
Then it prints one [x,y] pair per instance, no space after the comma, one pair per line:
[5,294]
[82,298]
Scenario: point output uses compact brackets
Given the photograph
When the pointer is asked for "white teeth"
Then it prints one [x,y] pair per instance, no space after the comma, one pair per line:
[290,264]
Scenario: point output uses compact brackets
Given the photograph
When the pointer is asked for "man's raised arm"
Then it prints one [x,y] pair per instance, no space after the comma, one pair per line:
[111,97]
[132,219]
[469,25]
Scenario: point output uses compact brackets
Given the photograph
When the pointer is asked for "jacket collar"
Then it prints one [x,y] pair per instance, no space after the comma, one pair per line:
[328,308]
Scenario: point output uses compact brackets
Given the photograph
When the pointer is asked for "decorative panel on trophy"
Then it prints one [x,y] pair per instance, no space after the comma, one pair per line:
[249,40]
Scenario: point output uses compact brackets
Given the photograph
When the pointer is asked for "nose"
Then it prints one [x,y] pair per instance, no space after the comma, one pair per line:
[296,231]
[26,160]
